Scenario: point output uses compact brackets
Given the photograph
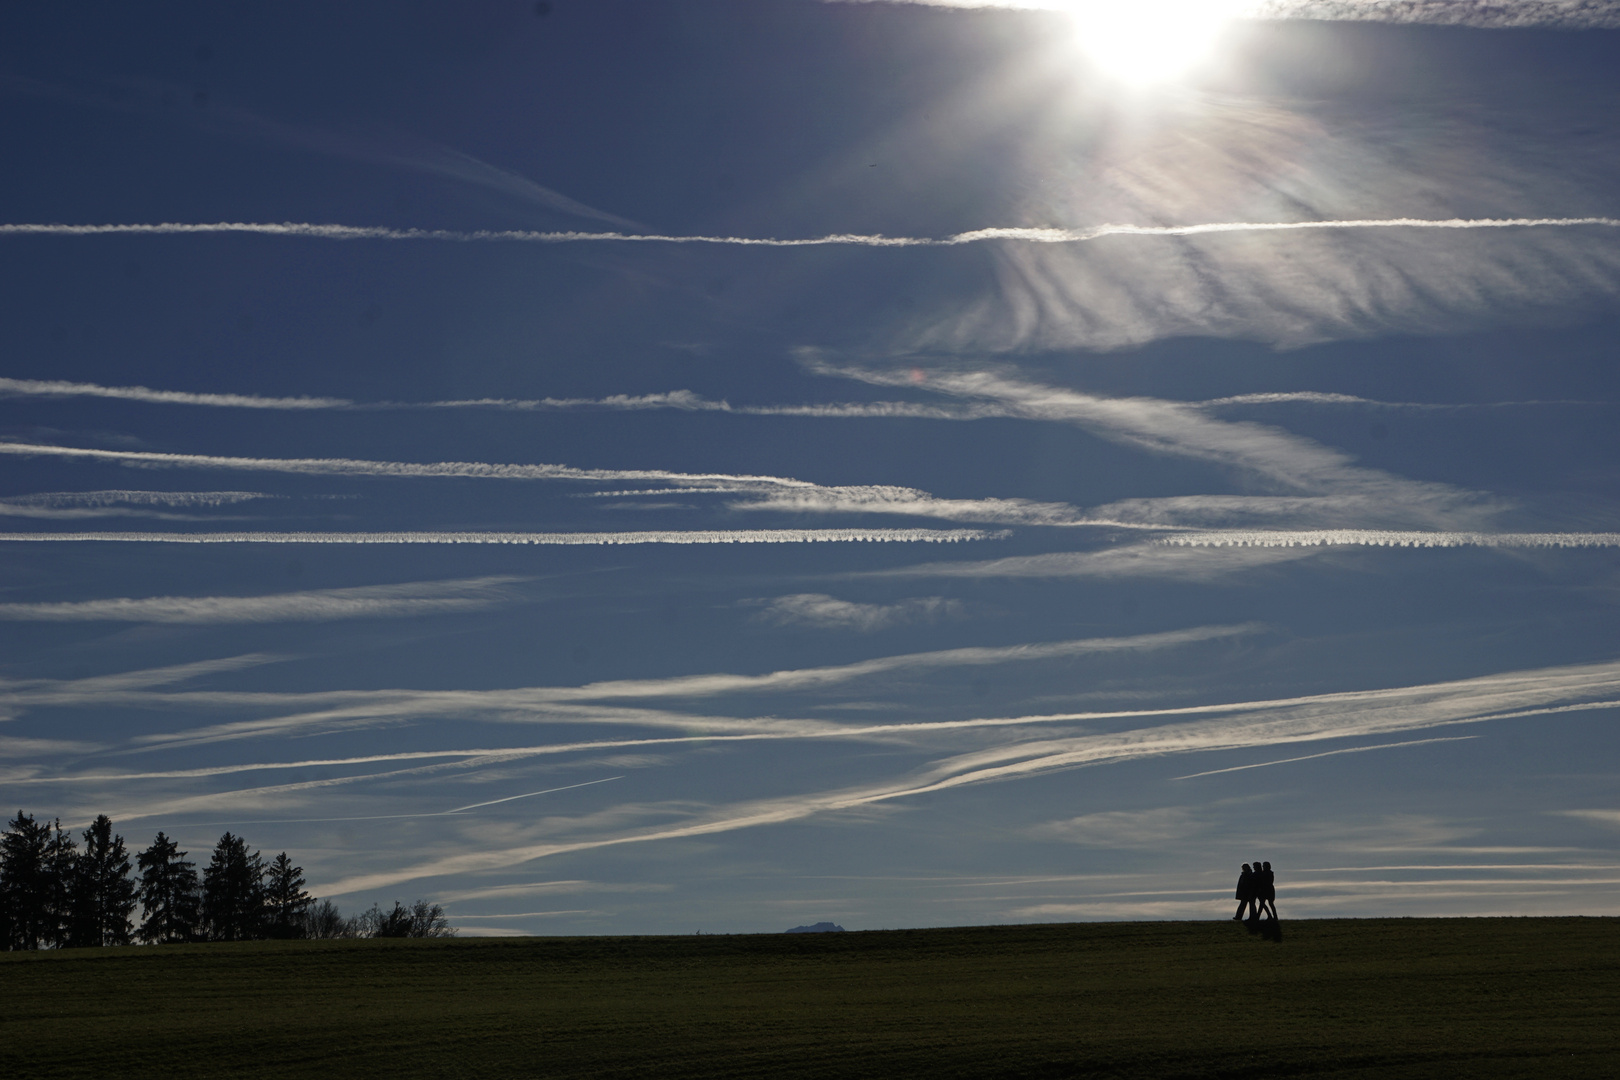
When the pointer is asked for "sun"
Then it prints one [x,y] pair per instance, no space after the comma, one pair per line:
[1149,41]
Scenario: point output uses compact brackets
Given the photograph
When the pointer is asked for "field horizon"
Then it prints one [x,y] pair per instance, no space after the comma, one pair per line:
[1390,997]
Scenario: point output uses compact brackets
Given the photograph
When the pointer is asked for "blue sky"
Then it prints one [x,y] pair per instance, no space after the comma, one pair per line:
[630,467]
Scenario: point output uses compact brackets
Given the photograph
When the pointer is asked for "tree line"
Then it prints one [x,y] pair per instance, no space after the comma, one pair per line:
[55,895]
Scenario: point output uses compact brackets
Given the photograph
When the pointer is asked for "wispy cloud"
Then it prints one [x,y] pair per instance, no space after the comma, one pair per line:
[778,493]
[828,612]
[1308,481]
[688,401]
[346,709]
[701,536]
[79,506]
[363,602]
[1020,234]
[1562,14]
[678,400]
[1140,560]
[1263,538]
[59,388]
[149,98]
[1291,721]
[1325,753]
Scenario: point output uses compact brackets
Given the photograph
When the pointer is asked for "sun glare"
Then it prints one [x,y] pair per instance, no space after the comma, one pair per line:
[1148,41]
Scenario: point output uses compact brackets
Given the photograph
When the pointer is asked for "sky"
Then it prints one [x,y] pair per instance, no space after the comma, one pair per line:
[615,466]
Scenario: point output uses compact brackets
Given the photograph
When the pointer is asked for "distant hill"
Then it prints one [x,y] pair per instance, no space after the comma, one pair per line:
[818,928]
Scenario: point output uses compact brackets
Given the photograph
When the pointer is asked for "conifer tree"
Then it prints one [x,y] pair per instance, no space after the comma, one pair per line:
[170,894]
[61,867]
[285,900]
[233,892]
[25,886]
[101,895]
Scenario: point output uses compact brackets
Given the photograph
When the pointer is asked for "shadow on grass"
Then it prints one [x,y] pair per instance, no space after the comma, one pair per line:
[1269,929]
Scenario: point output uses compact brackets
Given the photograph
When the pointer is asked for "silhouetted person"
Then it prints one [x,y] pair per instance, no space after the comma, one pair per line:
[1245,894]
[1268,890]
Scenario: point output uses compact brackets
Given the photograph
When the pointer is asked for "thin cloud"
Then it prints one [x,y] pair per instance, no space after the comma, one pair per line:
[323,605]
[776,493]
[1512,14]
[1020,234]
[82,505]
[58,388]
[342,710]
[148,98]
[679,400]
[1313,397]
[1310,481]
[830,613]
[1141,560]
[1326,753]
[359,467]
[1292,721]
[706,536]
[1282,538]
[58,499]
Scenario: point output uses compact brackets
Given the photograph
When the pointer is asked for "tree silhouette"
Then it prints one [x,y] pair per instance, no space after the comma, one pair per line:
[420,920]
[101,896]
[25,884]
[170,893]
[233,891]
[285,900]
[61,865]
[324,920]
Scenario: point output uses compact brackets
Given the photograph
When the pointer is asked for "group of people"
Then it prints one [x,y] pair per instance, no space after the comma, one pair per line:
[1256,893]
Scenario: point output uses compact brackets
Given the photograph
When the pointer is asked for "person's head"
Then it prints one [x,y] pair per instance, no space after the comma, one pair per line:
[1245,868]
[1265,866]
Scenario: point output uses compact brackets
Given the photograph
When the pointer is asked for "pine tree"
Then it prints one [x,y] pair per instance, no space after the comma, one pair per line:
[102,896]
[285,900]
[25,887]
[170,894]
[233,892]
[61,866]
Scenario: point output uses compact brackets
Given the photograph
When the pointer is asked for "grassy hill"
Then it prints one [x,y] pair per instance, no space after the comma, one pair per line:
[1385,998]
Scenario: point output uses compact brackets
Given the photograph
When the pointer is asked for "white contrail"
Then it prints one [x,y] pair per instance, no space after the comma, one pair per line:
[1388,538]
[679,400]
[482,470]
[700,536]
[1328,753]
[319,605]
[61,388]
[529,795]
[1026,234]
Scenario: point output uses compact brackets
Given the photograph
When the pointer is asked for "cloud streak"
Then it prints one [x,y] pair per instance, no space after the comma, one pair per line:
[1389,538]
[830,613]
[1309,481]
[571,539]
[1020,234]
[1562,14]
[363,602]
[1281,722]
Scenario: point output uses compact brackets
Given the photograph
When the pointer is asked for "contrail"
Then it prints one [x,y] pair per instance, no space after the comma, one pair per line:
[700,536]
[530,794]
[358,467]
[1033,235]
[1329,753]
[1387,538]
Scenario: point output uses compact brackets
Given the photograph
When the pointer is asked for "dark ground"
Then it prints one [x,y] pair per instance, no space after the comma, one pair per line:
[1385,998]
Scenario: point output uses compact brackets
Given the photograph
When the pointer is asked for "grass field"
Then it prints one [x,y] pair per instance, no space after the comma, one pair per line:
[1386,998]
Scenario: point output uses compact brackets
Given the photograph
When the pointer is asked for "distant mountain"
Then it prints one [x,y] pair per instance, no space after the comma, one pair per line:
[819,928]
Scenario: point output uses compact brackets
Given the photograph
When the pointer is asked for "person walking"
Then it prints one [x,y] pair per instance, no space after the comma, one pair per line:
[1268,890]
[1245,895]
